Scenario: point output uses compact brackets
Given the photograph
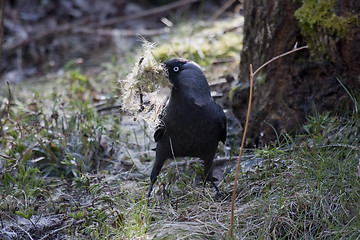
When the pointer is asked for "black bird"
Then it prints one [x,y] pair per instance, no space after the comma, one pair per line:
[191,124]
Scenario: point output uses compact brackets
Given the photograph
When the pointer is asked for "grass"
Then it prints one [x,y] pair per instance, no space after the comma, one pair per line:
[72,165]
[308,189]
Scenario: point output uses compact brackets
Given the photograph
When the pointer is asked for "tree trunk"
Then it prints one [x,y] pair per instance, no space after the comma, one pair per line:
[297,85]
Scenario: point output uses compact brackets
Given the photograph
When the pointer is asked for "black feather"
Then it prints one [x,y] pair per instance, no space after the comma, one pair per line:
[191,123]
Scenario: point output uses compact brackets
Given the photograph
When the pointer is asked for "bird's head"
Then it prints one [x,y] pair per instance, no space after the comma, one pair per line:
[187,79]
[181,70]
[174,67]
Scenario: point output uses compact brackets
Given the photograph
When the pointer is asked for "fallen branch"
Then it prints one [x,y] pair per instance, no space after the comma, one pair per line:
[38,36]
[79,27]
[142,14]
[122,33]
[221,10]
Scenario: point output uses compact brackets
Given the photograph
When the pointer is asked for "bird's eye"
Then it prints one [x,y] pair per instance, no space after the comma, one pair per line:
[176,68]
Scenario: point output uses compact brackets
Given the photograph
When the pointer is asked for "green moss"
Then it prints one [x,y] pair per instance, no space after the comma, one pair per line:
[232,93]
[320,25]
[202,49]
[203,43]
[260,79]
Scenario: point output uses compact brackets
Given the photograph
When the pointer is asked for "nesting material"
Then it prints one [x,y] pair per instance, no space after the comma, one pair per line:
[146,88]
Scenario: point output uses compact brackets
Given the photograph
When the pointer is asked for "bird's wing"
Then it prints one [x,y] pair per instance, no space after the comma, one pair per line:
[222,124]
[160,128]
[160,131]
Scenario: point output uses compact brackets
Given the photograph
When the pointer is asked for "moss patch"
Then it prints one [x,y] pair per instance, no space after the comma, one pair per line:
[321,26]
[204,42]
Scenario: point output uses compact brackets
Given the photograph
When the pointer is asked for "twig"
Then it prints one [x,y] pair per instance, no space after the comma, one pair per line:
[280,56]
[117,107]
[122,33]
[221,10]
[224,60]
[62,228]
[26,232]
[38,36]
[144,13]
[252,74]
[241,149]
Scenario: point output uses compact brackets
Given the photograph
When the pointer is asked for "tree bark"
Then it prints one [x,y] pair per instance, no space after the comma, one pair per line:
[297,85]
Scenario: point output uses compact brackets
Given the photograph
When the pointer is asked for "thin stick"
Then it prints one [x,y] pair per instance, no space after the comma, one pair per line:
[221,10]
[252,74]
[280,56]
[241,149]
[73,223]
[122,33]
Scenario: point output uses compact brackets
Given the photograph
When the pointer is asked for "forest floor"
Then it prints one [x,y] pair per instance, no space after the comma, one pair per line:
[73,165]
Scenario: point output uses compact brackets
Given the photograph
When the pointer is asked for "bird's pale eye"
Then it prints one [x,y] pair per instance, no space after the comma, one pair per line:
[176,68]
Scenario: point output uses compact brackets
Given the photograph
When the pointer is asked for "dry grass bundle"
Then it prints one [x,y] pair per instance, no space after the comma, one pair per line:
[146,88]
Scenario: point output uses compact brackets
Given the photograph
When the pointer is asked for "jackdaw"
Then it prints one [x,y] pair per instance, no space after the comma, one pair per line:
[191,123]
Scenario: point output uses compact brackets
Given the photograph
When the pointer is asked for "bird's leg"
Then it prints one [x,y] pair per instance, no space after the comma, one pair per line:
[159,162]
[209,177]
[218,192]
[150,189]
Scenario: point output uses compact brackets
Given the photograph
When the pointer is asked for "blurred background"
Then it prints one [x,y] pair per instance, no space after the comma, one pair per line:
[43,35]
